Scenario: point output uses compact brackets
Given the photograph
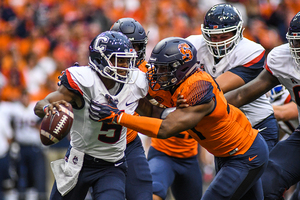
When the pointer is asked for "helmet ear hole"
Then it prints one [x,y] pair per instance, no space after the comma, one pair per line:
[97,60]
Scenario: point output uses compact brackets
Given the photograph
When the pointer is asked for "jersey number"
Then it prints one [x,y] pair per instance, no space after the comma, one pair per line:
[110,139]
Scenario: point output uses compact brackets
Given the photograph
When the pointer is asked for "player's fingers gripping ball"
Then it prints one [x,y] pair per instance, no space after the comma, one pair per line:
[107,113]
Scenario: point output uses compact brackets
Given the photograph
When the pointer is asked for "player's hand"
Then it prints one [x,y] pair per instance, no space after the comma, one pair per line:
[54,107]
[107,113]
[181,101]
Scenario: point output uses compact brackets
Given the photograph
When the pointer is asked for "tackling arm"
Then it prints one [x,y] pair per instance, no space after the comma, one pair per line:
[145,108]
[264,82]
[176,122]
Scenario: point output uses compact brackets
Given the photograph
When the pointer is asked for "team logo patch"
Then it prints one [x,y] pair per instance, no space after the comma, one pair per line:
[75,160]
[186,52]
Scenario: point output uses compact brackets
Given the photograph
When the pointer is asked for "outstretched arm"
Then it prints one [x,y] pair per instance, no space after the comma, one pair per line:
[176,122]
[252,90]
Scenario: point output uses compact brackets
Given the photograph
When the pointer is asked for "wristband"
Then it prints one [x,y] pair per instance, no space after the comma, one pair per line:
[44,108]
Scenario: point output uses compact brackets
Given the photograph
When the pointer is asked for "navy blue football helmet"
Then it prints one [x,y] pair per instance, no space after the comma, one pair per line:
[136,34]
[112,45]
[222,18]
[293,37]
[172,60]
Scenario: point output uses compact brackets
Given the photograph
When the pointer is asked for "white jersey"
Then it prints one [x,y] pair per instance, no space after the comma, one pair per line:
[5,128]
[26,124]
[281,64]
[245,54]
[101,140]
[290,125]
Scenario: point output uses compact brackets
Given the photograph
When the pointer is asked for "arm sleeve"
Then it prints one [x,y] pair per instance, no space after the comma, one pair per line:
[146,125]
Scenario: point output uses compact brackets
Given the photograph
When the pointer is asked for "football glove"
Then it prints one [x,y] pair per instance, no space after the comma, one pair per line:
[107,113]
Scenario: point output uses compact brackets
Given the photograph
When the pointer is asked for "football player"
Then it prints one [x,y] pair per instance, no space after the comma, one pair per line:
[6,139]
[31,165]
[177,155]
[240,152]
[96,154]
[234,61]
[138,180]
[282,67]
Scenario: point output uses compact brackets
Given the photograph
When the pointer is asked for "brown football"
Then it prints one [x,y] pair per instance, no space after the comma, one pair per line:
[55,127]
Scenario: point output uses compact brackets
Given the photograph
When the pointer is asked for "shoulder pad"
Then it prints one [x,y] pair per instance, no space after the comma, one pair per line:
[84,75]
[141,81]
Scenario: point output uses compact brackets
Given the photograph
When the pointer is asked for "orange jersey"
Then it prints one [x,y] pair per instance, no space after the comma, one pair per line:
[142,66]
[179,146]
[226,130]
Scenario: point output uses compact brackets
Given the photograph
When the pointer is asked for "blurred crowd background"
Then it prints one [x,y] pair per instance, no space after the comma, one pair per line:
[41,38]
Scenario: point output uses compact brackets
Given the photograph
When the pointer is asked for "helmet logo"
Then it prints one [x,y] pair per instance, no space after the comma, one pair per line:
[215,26]
[99,39]
[186,52]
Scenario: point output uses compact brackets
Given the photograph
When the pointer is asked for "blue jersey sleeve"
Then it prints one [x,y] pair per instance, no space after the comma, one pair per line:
[250,70]
[246,73]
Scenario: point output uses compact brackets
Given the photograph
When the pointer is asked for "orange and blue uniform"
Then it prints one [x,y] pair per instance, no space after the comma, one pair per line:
[240,152]
[180,152]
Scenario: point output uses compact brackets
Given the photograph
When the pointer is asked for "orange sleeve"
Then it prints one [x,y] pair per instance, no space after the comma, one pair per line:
[146,125]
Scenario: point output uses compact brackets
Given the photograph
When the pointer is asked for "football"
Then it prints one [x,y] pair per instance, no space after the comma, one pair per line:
[55,127]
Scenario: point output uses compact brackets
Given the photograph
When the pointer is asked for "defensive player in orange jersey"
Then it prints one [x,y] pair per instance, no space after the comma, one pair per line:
[240,151]
[178,154]
[138,180]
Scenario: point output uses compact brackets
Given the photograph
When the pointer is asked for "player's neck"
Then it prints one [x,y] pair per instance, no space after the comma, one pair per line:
[217,60]
[109,83]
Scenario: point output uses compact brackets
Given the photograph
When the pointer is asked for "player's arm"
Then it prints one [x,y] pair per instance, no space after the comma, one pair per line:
[229,81]
[252,90]
[286,112]
[176,122]
[145,108]
[242,74]
[61,96]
